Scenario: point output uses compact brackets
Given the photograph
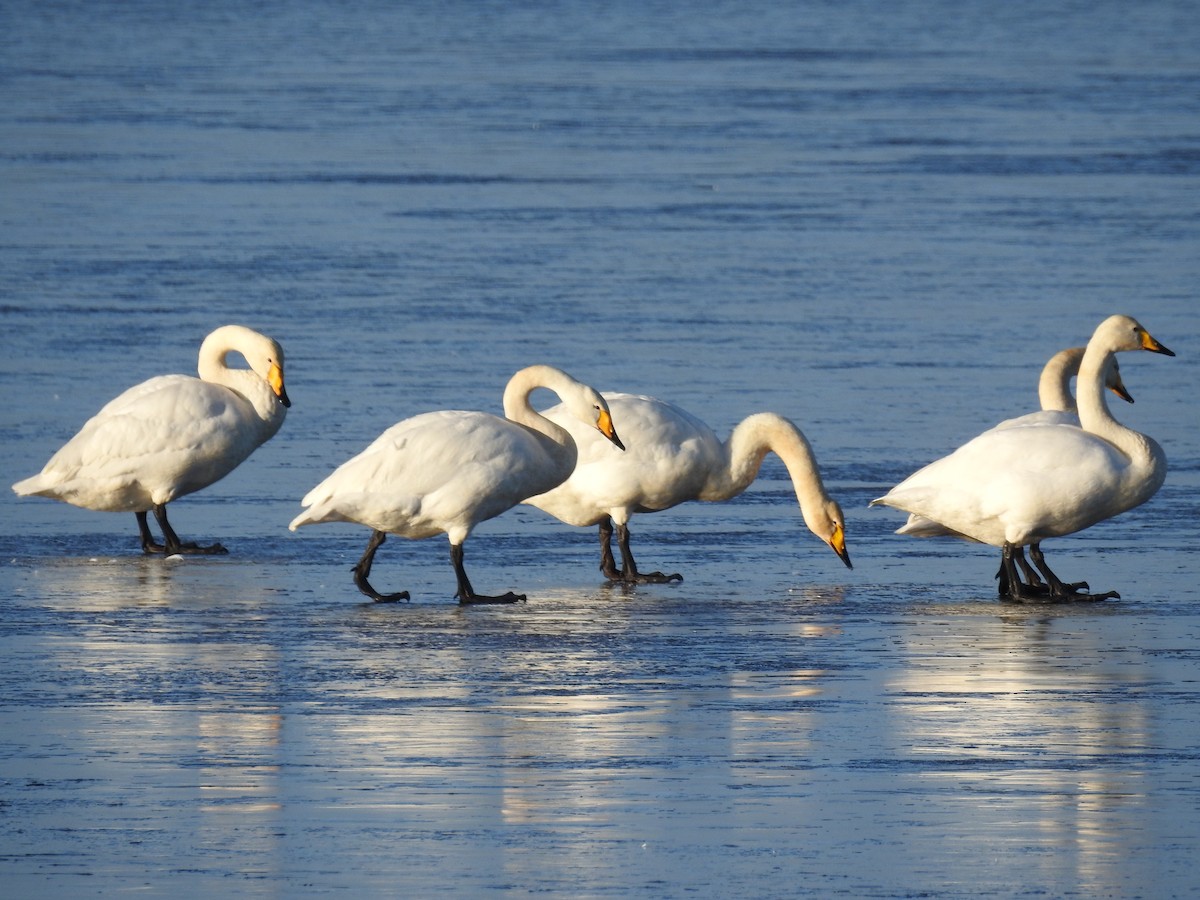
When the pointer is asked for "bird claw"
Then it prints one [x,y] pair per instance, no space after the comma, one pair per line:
[479,599]
[642,577]
[390,598]
[193,549]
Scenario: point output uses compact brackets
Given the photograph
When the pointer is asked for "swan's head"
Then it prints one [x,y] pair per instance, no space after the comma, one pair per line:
[589,407]
[829,524]
[265,357]
[1126,333]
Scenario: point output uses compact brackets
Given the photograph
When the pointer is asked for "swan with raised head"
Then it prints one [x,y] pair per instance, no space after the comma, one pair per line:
[447,471]
[1057,404]
[1014,487]
[172,435]
[674,457]
[1057,408]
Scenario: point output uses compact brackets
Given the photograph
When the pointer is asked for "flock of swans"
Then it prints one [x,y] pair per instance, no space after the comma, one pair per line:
[1048,474]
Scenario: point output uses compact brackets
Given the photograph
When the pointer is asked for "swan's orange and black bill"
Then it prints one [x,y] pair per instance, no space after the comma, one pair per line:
[275,380]
[604,423]
[838,543]
[1149,343]
[1118,387]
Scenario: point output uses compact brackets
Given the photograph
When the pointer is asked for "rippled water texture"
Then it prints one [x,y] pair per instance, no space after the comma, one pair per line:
[877,222]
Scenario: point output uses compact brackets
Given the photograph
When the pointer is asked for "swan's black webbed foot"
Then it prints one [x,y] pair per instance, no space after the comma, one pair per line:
[193,549]
[1054,590]
[629,574]
[360,579]
[1011,585]
[1026,594]
[213,550]
[479,599]
[1025,590]
[466,594]
[1078,591]
[171,544]
[636,577]
[1063,591]
[362,569]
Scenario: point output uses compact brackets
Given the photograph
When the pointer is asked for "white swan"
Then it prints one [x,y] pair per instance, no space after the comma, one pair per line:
[1013,487]
[448,471]
[1057,408]
[674,457]
[172,435]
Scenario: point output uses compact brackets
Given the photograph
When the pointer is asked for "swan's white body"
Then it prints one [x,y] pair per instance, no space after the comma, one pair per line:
[1057,408]
[1018,485]
[174,434]
[674,457]
[448,471]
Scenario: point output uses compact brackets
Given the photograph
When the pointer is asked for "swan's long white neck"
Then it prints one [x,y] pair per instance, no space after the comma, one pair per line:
[1054,387]
[517,408]
[750,442]
[252,386]
[1143,452]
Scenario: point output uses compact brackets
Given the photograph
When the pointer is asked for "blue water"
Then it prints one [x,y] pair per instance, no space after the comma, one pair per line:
[878,222]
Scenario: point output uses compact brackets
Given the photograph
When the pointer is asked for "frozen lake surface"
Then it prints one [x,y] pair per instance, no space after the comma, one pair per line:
[877,223]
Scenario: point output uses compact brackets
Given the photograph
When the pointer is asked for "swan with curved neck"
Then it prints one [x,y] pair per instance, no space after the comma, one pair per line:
[673,458]
[1016,486]
[447,471]
[172,435]
[1054,385]
[1057,408]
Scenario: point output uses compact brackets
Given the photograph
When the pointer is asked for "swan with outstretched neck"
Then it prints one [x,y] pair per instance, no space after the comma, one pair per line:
[447,471]
[1014,487]
[172,435]
[674,457]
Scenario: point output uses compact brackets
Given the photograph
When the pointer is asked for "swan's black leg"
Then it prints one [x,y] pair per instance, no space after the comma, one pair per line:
[1011,585]
[1033,581]
[363,568]
[149,544]
[1061,590]
[171,542]
[608,565]
[631,574]
[466,593]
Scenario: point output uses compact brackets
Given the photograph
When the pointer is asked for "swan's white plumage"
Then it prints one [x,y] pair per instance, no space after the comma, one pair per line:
[1019,485]
[448,471]
[443,471]
[173,434]
[674,457]
[1057,408]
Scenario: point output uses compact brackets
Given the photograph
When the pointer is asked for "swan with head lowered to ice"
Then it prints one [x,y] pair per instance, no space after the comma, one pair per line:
[171,436]
[447,471]
[1016,486]
[674,457]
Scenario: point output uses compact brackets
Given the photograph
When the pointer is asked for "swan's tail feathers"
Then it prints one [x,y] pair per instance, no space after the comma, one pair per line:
[919,526]
[28,486]
[347,508]
[38,485]
[305,518]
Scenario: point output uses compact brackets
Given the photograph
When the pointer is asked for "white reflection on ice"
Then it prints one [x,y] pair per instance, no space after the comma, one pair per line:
[1025,727]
